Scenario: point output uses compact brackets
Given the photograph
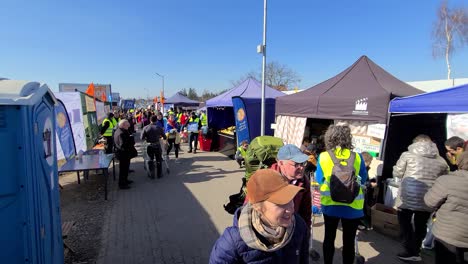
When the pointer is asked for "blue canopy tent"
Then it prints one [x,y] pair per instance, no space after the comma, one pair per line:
[220,110]
[451,100]
[179,100]
[421,114]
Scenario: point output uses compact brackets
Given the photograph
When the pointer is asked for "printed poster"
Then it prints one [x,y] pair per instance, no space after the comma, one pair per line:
[242,124]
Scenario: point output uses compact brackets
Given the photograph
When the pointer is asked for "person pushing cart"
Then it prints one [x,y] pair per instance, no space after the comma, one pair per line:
[152,135]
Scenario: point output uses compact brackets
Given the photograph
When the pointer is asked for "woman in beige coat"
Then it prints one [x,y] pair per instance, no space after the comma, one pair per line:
[449,196]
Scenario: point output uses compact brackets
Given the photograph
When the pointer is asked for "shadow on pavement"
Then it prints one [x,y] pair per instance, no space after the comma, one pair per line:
[160,220]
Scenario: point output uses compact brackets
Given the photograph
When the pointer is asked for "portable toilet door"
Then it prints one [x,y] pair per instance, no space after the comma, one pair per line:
[30,222]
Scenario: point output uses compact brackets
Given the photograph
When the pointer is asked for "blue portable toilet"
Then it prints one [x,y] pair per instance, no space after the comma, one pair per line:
[30,222]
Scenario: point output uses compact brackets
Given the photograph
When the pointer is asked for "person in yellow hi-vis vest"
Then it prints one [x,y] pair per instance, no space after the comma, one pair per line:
[108,125]
[204,122]
[193,127]
[336,164]
[241,152]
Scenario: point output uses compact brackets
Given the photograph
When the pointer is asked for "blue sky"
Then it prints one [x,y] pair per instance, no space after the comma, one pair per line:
[206,44]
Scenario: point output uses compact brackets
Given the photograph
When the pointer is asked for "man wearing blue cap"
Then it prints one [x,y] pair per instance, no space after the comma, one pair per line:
[291,163]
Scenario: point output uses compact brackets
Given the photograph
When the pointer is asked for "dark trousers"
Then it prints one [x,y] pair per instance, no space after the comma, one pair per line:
[349,234]
[109,145]
[171,141]
[154,151]
[124,166]
[445,253]
[413,237]
[193,138]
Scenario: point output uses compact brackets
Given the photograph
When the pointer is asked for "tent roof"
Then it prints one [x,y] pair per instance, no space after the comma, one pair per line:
[249,88]
[179,99]
[361,92]
[451,100]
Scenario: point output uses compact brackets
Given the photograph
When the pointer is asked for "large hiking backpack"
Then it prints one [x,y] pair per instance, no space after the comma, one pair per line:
[261,154]
[344,186]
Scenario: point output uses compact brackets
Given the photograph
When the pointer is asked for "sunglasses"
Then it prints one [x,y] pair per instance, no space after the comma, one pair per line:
[299,165]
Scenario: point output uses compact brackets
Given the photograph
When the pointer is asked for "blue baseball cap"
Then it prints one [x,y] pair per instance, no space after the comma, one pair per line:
[292,152]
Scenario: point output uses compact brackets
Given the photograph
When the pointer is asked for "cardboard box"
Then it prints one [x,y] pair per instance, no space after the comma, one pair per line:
[385,220]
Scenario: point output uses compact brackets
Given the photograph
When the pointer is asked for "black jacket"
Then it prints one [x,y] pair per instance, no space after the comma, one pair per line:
[124,143]
[152,133]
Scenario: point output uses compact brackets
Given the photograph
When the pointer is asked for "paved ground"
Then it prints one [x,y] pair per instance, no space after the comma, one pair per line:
[177,219]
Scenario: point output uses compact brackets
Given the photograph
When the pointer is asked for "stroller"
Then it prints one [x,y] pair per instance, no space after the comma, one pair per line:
[150,165]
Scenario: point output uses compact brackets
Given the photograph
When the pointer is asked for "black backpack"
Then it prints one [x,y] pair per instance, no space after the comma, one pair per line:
[344,186]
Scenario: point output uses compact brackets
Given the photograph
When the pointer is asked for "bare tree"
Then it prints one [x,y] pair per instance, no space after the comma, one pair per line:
[277,75]
[280,76]
[192,94]
[183,92]
[450,32]
[251,74]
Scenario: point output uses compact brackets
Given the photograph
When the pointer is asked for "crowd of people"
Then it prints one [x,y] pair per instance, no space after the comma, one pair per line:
[274,225]
[430,193]
[161,132]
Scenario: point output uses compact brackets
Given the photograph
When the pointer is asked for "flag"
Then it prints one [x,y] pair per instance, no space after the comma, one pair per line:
[242,123]
[90,90]
[103,97]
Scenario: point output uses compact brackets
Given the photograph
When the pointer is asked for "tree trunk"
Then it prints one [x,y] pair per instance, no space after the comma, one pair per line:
[447,59]
[448,35]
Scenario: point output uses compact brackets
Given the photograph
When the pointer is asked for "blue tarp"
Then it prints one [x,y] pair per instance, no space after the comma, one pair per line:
[253,109]
[181,100]
[451,100]
[250,88]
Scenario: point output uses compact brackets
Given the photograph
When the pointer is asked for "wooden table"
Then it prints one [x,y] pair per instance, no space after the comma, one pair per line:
[91,162]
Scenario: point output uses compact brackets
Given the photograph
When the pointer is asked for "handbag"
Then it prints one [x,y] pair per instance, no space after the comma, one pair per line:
[133,152]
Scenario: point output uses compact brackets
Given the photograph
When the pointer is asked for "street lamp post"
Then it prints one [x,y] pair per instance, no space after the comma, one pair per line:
[162,77]
[263,51]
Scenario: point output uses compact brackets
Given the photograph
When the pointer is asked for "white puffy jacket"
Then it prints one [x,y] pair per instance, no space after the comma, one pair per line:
[418,168]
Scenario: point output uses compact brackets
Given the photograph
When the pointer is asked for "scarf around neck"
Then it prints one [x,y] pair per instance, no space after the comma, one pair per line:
[249,222]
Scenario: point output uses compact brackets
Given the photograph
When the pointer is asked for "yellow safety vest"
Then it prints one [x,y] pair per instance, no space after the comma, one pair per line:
[243,151]
[193,122]
[326,163]
[179,115]
[204,120]
[108,132]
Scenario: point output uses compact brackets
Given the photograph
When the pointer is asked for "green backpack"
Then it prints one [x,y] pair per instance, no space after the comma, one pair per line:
[261,154]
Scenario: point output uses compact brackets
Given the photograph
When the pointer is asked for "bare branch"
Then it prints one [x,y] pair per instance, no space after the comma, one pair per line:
[450,32]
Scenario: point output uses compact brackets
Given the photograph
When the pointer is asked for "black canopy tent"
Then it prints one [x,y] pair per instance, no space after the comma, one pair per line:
[179,100]
[361,92]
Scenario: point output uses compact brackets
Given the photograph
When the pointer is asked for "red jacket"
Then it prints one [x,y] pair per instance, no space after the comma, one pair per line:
[303,200]
[183,119]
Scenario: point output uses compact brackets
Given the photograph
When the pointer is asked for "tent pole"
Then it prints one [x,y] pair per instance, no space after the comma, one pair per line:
[262,120]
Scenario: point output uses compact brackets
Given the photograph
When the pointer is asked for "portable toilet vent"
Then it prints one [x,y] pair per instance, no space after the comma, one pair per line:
[30,224]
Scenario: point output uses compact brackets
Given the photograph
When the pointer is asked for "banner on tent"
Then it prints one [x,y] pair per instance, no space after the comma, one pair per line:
[457,125]
[73,103]
[64,132]
[100,112]
[90,107]
[290,129]
[128,104]
[242,124]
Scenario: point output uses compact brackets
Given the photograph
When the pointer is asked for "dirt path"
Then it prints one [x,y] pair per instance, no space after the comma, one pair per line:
[85,205]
